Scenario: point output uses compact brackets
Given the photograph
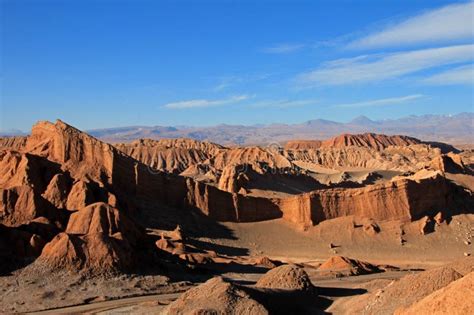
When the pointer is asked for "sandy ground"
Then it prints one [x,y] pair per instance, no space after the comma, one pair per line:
[28,290]
[335,295]
[279,239]
[334,292]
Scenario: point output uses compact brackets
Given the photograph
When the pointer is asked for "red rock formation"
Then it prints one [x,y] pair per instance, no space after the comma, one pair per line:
[215,296]
[172,159]
[450,163]
[410,289]
[57,191]
[340,265]
[17,169]
[456,298]
[234,177]
[183,143]
[103,218]
[267,262]
[20,204]
[88,159]
[224,206]
[403,199]
[403,158]
[226,168]
[13,143]
[286,277]
[257,157]
[98,238]
[79,196]
[369,140]
[80,154]
[303,144]
[61,168]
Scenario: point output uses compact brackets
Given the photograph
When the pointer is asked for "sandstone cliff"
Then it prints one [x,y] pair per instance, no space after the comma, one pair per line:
[401,199]
[77,196]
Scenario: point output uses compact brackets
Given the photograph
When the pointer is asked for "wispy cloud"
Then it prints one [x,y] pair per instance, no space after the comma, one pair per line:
[460,75]
[382,101]
[283,48]
[200,103]
[284,103]
[227,82]
[449,23]
[377,67]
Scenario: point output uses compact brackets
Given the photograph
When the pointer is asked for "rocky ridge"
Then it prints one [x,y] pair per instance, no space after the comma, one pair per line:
[71,199]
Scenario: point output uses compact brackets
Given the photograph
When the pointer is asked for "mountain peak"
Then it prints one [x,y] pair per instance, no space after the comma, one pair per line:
[320,121]
[362,120]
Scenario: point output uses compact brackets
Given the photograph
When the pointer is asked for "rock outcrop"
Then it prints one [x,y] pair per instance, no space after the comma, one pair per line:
[286,277]
[216,296]
[410,289]
[401,158]
[87,170]
[369,140]
[448,163]
[456,298]
[13,143]
[303,144]
[87,192]
[367,150]
[403,198]
[344,266]
[98,238]
[173,155]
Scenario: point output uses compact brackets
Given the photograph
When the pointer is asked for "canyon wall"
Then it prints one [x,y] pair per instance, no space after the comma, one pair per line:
[403,199]
[63,168]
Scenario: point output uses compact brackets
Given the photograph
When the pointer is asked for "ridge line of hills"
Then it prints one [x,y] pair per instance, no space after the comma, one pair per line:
[453,129]
[70,202]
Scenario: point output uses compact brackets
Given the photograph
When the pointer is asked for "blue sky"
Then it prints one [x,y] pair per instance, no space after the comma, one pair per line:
[111,63]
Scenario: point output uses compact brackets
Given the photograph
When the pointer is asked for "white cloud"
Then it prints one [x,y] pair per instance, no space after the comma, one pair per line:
[229,81]
[377,67]
[283,48]
[446,24]
[383,101]
[200,103]
[284,103]
[459,75]
[223,85]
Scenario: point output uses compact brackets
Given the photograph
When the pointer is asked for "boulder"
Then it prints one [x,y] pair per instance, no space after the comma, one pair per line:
[286,277]
[344,266]
[216,296]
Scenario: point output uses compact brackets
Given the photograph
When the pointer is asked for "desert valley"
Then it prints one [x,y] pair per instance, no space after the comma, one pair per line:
[237,157]
[354,224]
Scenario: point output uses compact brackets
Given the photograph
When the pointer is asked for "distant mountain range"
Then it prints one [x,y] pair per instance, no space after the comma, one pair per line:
[454,129]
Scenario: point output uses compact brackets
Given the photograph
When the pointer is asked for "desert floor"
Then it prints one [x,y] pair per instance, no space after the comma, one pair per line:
[28,290]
